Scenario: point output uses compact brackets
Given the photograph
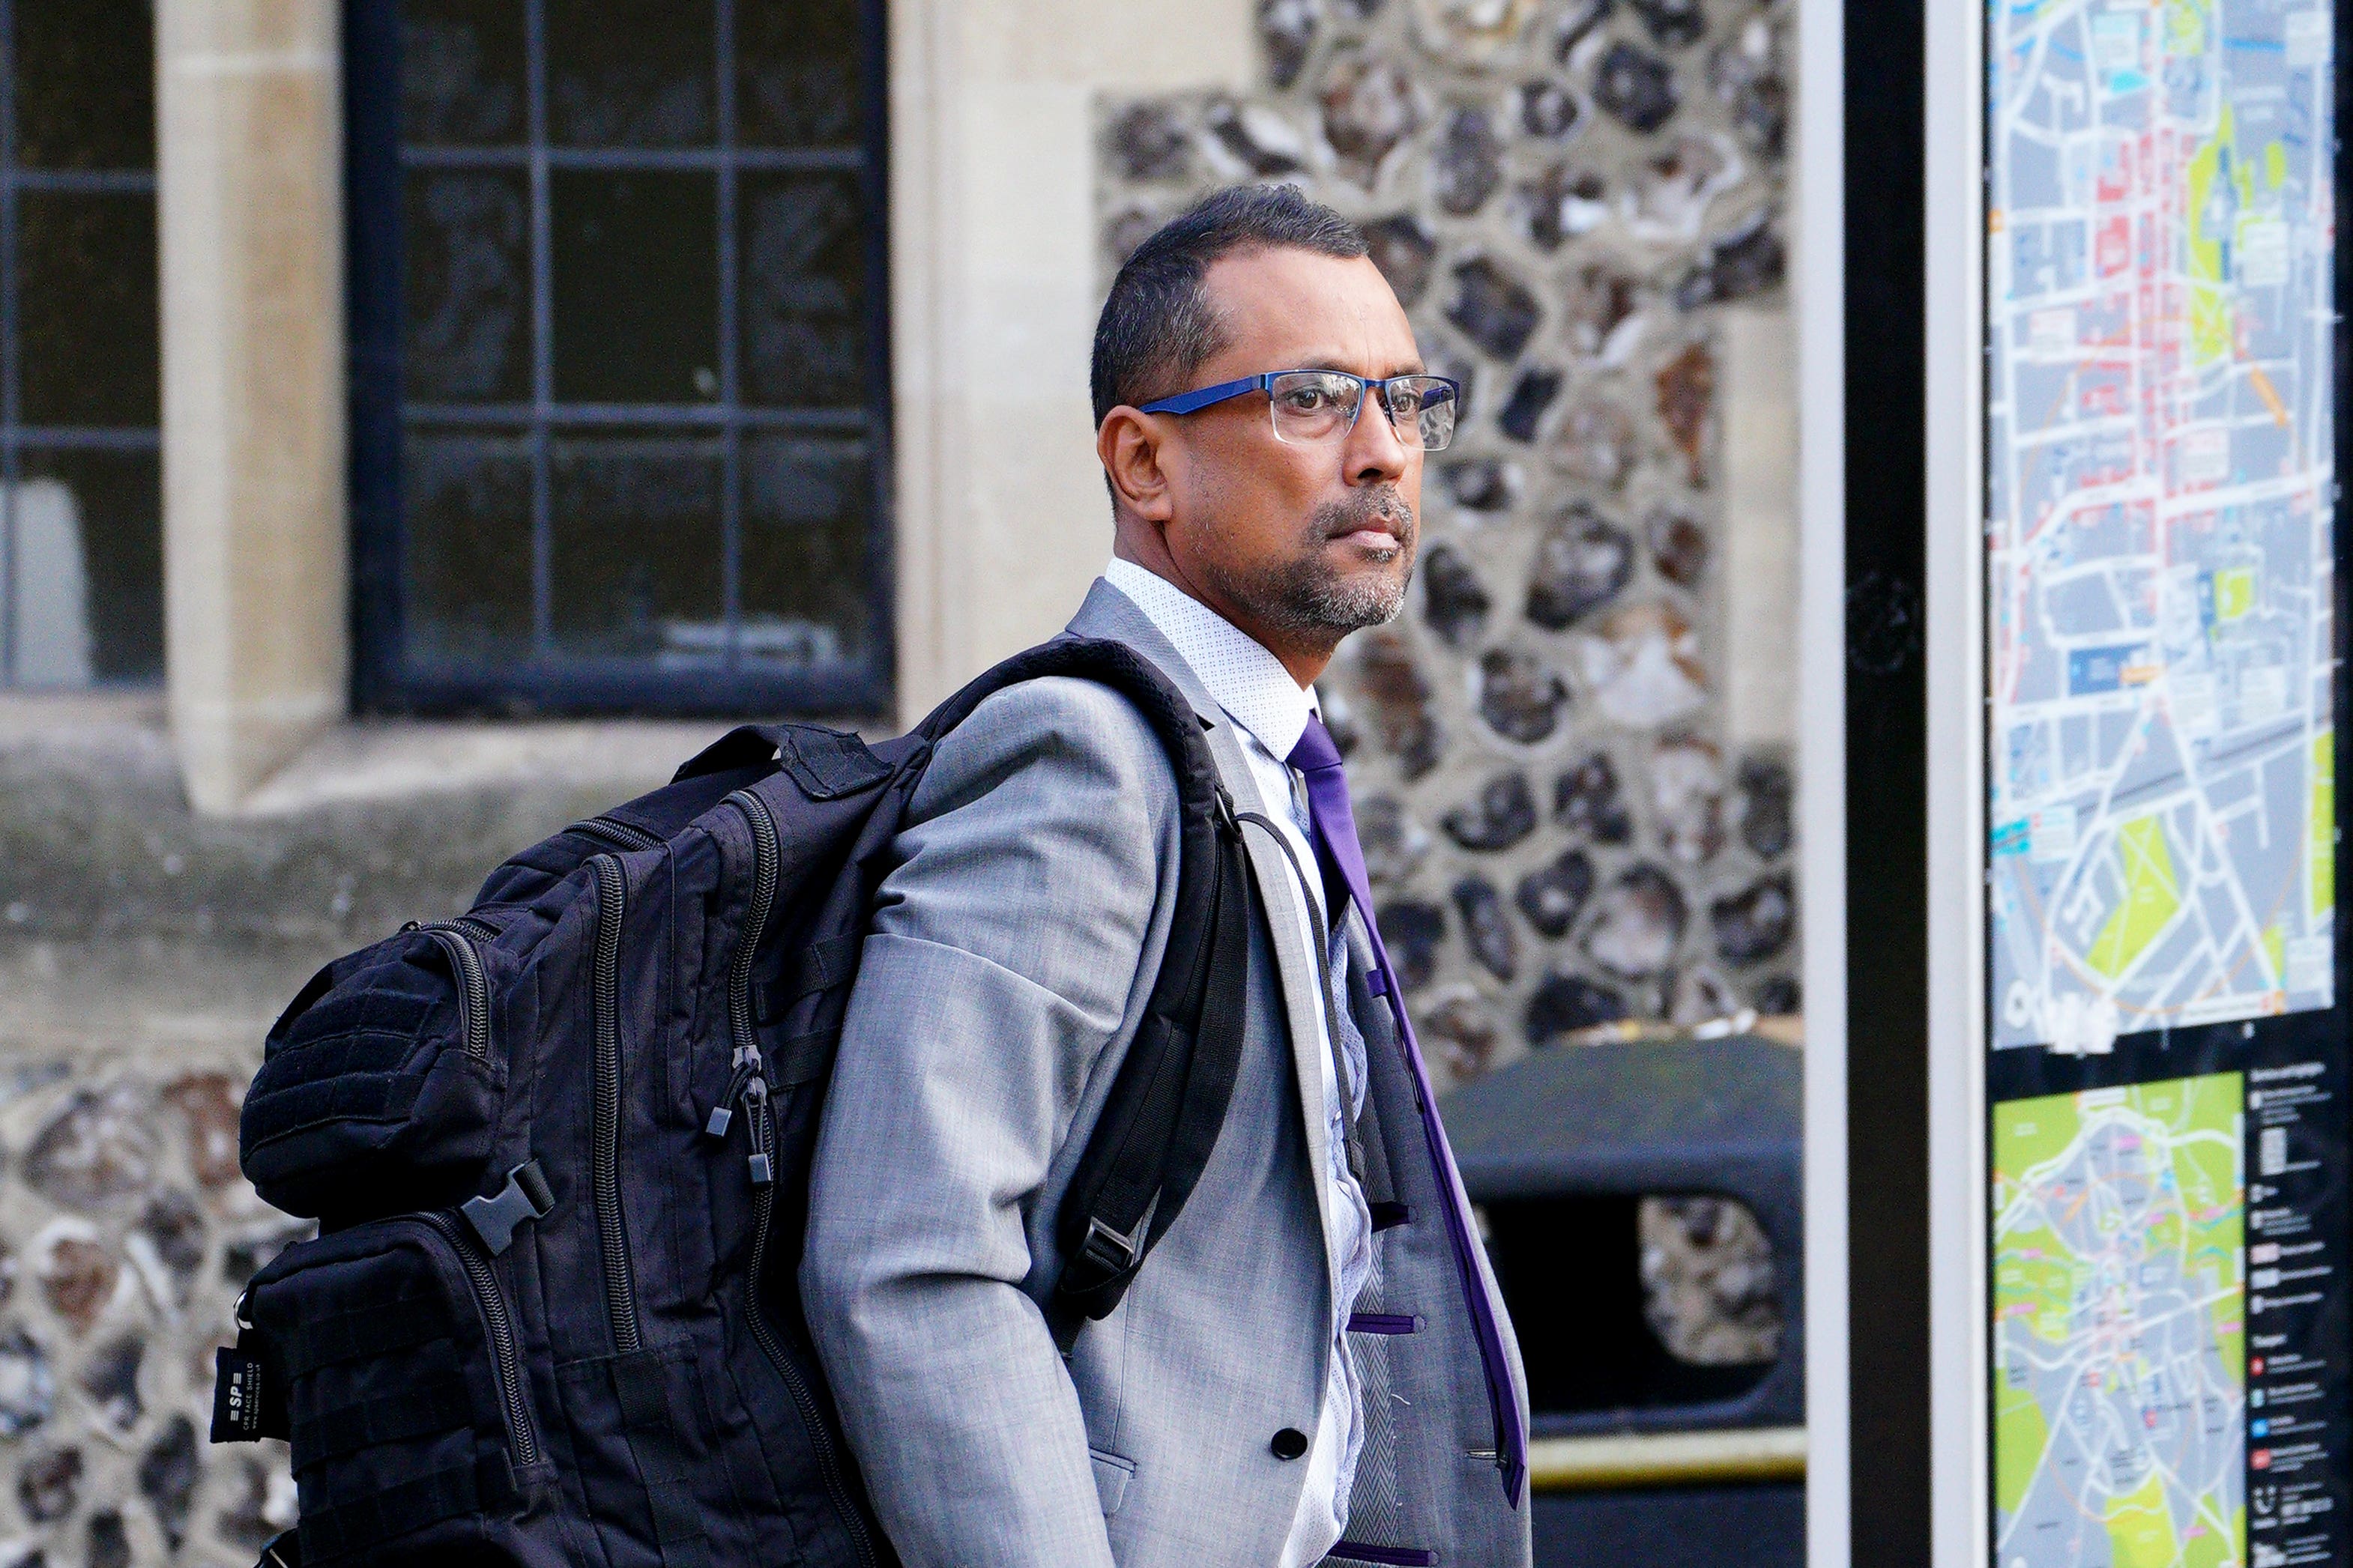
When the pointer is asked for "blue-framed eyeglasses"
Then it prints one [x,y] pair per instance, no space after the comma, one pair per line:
[1312,406]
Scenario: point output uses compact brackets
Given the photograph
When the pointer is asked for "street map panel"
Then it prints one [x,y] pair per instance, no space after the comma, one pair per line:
[2159,520]
[2119,1328]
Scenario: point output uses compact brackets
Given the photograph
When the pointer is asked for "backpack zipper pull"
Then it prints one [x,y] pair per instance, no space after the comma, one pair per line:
[756,1098]
[747,1067]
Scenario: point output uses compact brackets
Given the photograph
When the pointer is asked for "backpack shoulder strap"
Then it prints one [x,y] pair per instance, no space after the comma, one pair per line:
[1107,663]
[1167,1107]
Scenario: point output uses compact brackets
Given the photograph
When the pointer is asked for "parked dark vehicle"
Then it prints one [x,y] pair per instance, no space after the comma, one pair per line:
[1642,1457]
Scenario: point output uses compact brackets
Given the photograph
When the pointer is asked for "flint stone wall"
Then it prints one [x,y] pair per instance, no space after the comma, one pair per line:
[143,954]
[1564,195]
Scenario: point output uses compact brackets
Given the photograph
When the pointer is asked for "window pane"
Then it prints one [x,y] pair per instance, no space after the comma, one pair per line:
[637,548]
[631,73]
[86,85]
[803,306]
[87,277]
[466,316]
[808,521]
[466,500]
[88,563]
[637,287]
[664,546]
[798,74]
[461,73]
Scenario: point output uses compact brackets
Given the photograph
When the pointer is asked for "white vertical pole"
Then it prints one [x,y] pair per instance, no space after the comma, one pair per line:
[1820,303]
[1955,191]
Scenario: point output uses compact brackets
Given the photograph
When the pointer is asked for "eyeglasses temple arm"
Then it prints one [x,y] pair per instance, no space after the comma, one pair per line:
[1191,402]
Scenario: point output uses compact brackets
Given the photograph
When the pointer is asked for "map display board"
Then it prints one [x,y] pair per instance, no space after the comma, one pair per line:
[2159,468]
[2169,1068]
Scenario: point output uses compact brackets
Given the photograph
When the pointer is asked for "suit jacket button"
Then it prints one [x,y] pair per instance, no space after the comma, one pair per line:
[1288,1443]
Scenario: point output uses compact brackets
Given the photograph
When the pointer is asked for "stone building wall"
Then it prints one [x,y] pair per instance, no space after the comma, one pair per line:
[1565,195]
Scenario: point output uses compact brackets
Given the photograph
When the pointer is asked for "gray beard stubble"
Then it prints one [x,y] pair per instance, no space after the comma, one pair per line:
[1301,595]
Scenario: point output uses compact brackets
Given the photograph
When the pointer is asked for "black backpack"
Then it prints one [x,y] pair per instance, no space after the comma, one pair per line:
[558,1150]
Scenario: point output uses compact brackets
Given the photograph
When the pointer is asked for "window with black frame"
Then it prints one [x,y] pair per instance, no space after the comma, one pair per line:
[80,514]
[619,357]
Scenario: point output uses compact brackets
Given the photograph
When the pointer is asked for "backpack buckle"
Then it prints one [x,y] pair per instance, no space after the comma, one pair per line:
[1110,1251]
[524,1198]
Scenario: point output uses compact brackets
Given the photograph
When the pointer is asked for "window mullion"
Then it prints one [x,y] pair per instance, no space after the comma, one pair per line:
[542,334]
[731,504]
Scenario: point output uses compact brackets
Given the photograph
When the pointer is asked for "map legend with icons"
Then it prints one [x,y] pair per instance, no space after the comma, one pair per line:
[2160,507]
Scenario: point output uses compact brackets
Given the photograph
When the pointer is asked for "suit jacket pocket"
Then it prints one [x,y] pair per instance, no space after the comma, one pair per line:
[1111,1475]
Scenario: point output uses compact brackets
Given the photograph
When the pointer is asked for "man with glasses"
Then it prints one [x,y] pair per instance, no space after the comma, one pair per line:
[1314,1364]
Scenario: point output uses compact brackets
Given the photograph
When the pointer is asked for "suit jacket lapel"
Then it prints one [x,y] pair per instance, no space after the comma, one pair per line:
[1395,1118]
[1110,614]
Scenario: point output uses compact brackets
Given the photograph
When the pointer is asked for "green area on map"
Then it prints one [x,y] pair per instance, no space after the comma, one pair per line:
[2119,1327]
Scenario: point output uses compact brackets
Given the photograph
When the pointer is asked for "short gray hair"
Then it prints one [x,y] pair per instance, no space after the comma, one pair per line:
[1159,327]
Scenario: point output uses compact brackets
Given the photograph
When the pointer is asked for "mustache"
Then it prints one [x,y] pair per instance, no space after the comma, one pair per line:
[1383,506]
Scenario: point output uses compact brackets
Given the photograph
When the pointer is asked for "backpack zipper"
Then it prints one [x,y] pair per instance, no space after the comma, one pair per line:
[604,1134]
[764,1203]
[457,937]
[501,1326]
[766,858]
[766,854]
[614,831]
[744,1068]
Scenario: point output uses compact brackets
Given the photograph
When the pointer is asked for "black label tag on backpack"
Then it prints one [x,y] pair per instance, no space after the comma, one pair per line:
[248,1397]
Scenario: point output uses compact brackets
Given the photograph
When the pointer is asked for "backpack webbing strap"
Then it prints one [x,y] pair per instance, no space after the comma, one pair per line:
[1166,1107]
[372,1051]
[442,1405]
[1218,1030]
[396,1510]
[641,1385]
[375,1329]
[355,1097]
[1167,1104]
[802,1058]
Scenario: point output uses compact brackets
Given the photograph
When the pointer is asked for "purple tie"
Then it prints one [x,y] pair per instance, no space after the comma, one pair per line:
[1318,762]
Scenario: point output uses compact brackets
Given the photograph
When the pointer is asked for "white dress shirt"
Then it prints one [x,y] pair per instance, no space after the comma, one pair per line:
[1271,711]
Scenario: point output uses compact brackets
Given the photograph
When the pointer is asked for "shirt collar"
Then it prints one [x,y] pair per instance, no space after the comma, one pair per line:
[1248,682]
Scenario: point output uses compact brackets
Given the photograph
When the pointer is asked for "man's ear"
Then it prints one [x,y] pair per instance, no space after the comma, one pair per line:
[1129,443]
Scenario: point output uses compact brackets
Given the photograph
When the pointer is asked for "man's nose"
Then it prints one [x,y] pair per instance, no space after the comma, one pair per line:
[1375,454]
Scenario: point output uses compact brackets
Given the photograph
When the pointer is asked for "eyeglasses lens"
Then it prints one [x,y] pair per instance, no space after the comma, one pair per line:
[1423,406]
[1311,407]
[1314,406]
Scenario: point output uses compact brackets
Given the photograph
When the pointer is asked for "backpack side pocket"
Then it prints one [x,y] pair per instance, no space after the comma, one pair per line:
[409,1404]
[383,1077]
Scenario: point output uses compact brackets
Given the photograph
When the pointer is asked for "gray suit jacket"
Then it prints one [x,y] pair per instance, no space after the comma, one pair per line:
[1012,952]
